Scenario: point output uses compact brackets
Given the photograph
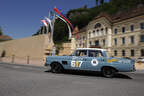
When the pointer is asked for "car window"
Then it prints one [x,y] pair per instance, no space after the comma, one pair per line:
[81,53]
[95,53]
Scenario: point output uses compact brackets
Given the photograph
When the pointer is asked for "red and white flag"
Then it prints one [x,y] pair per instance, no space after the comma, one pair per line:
[56,10]
[44,22]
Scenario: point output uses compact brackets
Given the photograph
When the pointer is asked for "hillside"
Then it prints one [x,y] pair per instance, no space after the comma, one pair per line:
[77,16]
[82,16]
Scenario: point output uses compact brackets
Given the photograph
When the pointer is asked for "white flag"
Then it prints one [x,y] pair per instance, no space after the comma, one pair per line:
[51,26]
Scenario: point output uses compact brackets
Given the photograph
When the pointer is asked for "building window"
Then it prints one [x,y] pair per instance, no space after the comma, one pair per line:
[97,25]
[93,32]
[141,38]
[132,28]
[142,52]
[98,32]
[106,30]
[90,43]
[83,37]
[142,25]
[115,31]
[123,40]
[103,42]
[83,45]
[115,41]
[79,45]
[89,34]
[132,52]
[102,31]
[123,29]
[115,53]
[97,43]
[132,39]
[123,53]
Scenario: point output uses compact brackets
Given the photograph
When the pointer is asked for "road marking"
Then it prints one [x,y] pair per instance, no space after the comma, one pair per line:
[16,67]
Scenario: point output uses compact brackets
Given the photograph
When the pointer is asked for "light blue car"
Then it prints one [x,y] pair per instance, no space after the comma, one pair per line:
[90,59]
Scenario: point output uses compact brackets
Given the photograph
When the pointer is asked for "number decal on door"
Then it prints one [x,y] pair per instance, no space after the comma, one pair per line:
[76,64]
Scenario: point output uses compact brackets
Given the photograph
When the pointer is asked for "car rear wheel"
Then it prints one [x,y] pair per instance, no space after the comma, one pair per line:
[108,72]
[56,68]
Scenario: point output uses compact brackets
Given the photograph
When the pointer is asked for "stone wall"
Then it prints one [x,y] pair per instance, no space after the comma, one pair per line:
[66,49]
[26,50]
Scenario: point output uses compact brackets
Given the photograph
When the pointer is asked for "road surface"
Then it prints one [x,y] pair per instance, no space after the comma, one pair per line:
[23,80]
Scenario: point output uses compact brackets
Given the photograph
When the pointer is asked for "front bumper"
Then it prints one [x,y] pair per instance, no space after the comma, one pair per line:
[46,64]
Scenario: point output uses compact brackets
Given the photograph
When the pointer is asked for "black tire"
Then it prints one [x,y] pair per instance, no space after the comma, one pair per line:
[56,68]
[108,72]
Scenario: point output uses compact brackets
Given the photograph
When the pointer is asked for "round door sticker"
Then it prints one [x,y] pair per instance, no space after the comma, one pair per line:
[94,62]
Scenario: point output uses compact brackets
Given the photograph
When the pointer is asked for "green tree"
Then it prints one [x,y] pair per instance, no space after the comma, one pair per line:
[97,2]
[60,31]
[101,2]
[1,32]
[81,20]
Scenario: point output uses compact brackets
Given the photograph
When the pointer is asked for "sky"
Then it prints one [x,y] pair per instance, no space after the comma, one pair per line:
[21,18]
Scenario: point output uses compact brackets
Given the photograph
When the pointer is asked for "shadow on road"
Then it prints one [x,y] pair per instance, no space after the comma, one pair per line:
[123,76]
[93,74]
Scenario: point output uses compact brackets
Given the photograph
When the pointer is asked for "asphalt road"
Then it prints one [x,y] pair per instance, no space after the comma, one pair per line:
[21,80]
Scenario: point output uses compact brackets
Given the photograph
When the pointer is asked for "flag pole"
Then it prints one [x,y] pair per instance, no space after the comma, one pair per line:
[48,28]
[53,27]
[48,24]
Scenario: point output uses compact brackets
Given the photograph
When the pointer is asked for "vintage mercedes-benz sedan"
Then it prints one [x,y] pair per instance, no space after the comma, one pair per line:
[90,59]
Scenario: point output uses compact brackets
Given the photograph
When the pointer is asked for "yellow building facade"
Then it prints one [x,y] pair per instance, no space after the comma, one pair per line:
[121,34]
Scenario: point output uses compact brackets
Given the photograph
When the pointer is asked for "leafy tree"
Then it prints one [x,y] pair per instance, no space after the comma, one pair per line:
[60,31]
[101,2]
[1,32]
[97,2]
[81,19]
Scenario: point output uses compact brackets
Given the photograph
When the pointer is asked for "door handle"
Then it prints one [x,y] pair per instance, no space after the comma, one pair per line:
[102,60]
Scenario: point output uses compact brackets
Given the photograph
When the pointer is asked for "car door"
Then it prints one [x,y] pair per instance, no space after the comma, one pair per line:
[95,60]
[77,61]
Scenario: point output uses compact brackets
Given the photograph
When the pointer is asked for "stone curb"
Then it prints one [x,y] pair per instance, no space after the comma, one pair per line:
[23,65]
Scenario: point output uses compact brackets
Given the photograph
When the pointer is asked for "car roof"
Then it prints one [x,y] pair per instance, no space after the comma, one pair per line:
[91,49]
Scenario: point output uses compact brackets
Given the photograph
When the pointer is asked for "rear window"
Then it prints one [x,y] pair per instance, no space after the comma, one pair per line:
[95,53]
